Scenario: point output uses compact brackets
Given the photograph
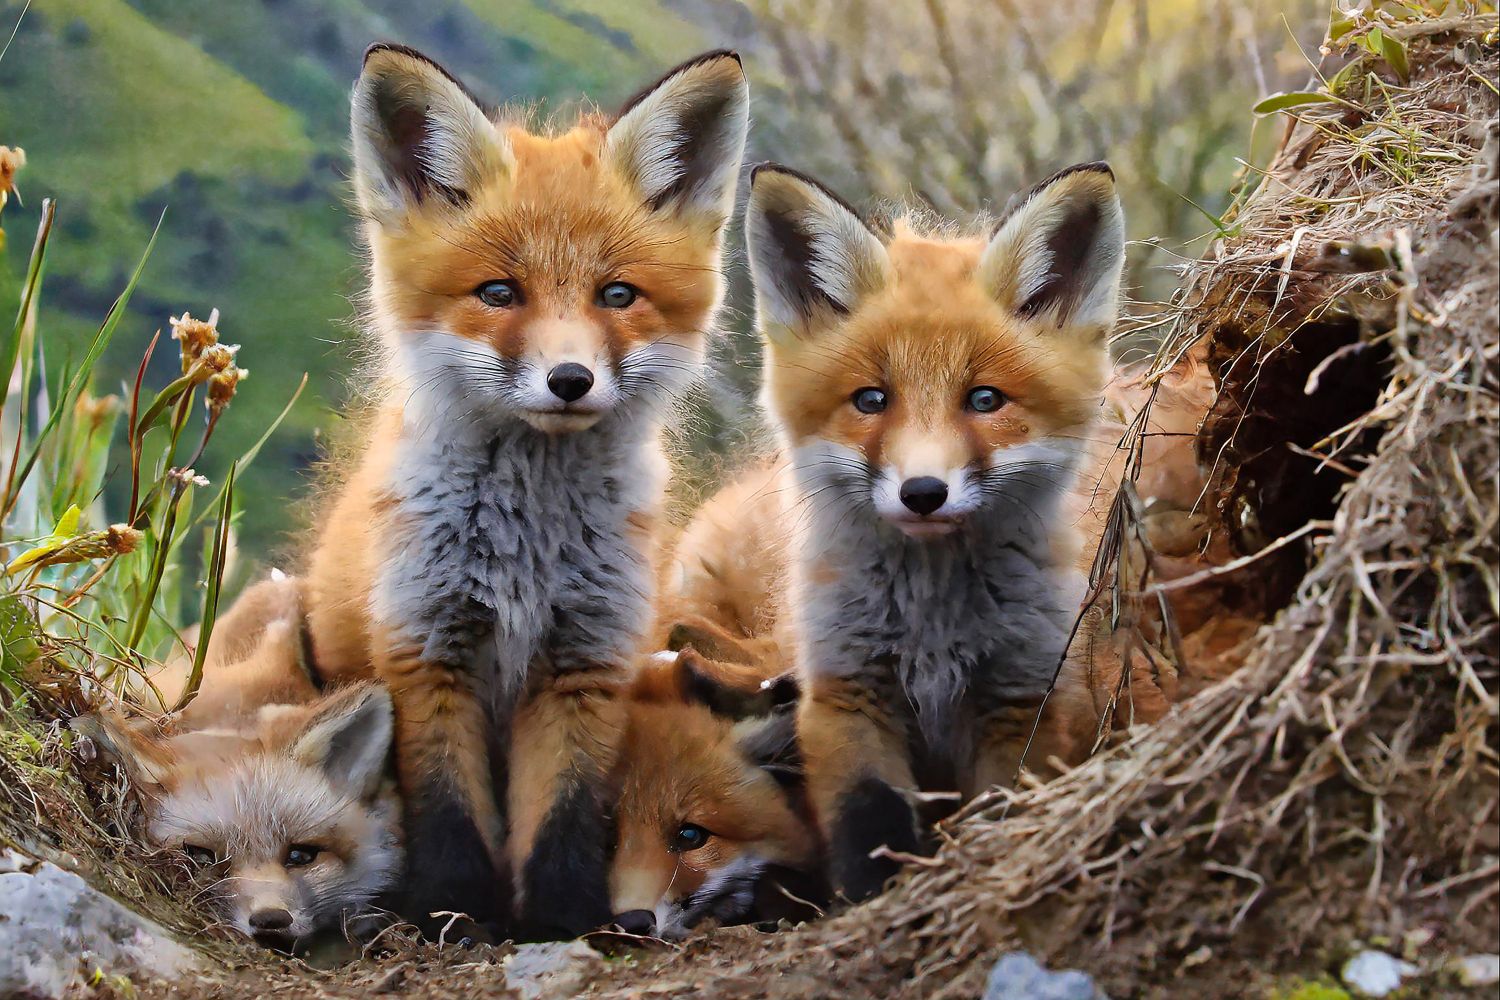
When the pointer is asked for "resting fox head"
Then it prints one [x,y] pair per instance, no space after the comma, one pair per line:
[289,822]
[553,277]
[927,377]
[709,795]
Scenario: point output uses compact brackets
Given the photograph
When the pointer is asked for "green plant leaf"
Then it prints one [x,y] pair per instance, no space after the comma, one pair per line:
[1293,99]
[18,637]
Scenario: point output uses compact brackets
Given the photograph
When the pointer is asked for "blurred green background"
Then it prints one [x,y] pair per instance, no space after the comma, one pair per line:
[229,116]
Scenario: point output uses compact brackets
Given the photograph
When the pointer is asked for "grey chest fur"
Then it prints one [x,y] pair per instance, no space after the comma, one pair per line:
[952,626]
[510,547]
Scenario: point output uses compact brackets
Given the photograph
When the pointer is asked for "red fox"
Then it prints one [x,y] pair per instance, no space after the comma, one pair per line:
[710,818]
[934,394]
[540,299]
[289,815]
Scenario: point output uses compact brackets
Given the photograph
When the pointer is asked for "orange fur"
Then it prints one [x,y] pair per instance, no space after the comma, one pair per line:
[683,763]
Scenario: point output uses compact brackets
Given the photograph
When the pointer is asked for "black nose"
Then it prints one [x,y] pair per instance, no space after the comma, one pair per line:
[570,381]
[641,923]
[924,494]
[270,920]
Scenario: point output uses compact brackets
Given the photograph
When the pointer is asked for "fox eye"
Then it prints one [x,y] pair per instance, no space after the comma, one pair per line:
[689,837]
[301,855]
[868,399]
[985,399]
[617,295]
[499,294]
[201,856]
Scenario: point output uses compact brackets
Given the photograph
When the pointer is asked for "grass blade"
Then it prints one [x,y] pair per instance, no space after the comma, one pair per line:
[215,581]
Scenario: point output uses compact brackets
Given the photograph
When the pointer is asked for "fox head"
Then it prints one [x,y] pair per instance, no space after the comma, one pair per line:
[548,277]
[289,823]
[709,795]
[929,377]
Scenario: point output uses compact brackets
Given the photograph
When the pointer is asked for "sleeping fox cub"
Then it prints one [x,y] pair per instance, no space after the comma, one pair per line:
[287,813]
[540,298]
[935,395]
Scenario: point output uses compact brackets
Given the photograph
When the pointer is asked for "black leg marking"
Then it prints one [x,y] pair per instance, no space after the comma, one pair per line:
[566,876]
[870,814]
[448,867]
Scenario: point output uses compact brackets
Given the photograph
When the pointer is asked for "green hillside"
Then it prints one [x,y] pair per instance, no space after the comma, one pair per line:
[226,119]
[230,119]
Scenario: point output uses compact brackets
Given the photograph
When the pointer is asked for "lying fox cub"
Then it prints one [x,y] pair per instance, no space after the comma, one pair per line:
[288,815]
[935,395]
[711,821]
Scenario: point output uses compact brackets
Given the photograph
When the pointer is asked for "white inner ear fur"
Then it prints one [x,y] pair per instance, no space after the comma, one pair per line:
[1018,263]
[657,144]
[461,149]
[846,261]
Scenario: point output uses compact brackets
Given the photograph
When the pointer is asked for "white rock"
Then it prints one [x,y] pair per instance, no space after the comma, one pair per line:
[1479,970]
[1374,973]
[550,971]
[56,932]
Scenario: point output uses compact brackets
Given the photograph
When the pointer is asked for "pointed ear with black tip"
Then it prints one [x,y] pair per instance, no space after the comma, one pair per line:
[812,257]
[420,138]
[680,141]
[1057,256]
[770,743]
[726,689]
[349,739]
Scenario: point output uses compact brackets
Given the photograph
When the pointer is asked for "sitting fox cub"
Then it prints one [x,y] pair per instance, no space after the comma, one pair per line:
[935,396]
[540,299]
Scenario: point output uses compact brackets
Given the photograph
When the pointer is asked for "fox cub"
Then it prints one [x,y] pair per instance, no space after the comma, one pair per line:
[288,814]
[540,299]
[935,394]
[711,821]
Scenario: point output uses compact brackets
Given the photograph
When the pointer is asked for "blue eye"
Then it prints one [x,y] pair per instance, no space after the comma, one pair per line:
[499,294]
[617,295]
[301,855]
[869,400]
[986,399]
[690,837]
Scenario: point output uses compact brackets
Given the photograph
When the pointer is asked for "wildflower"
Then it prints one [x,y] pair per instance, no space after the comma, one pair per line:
[205,359]
[194,336]
[187,477]
[116,540]
[94,412]
[221,388]
[11,160]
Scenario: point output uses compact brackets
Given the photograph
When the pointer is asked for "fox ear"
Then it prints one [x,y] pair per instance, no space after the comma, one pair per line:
[681,140]
[1057,255]
[419,135]
[811,255]
[770,743]
[349,739]
[144,756]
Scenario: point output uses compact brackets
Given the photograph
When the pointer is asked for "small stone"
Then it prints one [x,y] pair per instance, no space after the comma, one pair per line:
[56,932]
[550,971]
[1018,976]
[1479,970]
[1374,973]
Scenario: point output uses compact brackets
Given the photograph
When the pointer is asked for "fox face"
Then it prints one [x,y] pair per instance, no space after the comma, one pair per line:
[287,823]
[553,277]
[708,802]
[927,376]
